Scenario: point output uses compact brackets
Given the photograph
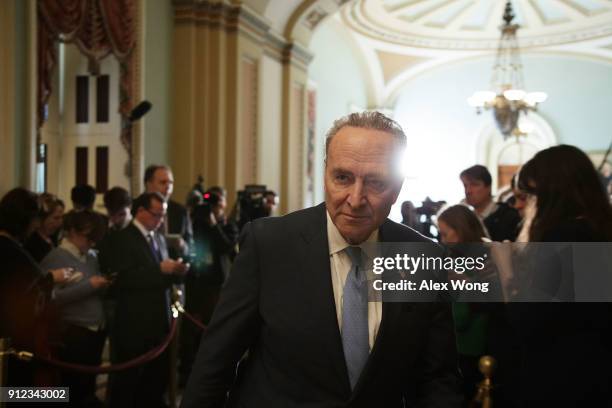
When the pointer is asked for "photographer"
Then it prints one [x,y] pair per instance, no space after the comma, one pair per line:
[215,241]
[254,202]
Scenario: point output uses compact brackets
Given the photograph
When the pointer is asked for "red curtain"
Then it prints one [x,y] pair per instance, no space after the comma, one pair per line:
[98,28]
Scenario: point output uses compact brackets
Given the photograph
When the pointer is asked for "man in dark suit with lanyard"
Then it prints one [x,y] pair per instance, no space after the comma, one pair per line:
[145,274]
[294,302]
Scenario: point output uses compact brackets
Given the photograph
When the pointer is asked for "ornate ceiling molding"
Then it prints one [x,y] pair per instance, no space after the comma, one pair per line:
[473,24]
[393,64]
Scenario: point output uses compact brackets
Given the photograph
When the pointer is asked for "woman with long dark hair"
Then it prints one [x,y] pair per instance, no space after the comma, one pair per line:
[572,205]
[24,288]
[566,346]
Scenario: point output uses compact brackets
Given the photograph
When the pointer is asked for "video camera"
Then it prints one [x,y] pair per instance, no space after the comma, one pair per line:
[202,210]
[251,203]
[429,208]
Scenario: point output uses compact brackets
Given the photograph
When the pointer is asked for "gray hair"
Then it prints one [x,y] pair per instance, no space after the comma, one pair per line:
[367,120]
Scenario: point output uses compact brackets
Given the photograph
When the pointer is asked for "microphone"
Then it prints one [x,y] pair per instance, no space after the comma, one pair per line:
[140,110]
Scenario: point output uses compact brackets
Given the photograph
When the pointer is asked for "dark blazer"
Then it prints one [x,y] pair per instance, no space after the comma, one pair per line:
[141,318]
[503,223]
[278,305]
[37,247]
[179,223]
[141,289]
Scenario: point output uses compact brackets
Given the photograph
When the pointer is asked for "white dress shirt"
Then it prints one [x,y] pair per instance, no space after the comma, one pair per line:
[145,233]
[340,264]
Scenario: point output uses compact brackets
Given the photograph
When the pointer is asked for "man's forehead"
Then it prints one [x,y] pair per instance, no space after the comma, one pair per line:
[367,152]
[363,146]
[163,173]
[471,180]
[356,135]
[159,204]
[361,168]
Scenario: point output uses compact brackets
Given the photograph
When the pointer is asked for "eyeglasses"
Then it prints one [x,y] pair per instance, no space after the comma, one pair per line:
[156,215]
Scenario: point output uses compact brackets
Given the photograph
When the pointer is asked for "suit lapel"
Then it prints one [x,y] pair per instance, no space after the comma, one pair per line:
[316,271]
[142,242]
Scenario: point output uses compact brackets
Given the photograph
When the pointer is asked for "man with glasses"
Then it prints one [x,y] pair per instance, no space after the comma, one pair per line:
[176,225]
[145,274]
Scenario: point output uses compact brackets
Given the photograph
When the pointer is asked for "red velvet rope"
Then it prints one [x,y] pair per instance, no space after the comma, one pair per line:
[145,358]
[193,320]
[140,360]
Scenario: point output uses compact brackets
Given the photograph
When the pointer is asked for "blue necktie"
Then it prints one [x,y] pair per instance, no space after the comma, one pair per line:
[154,248]
[355,338]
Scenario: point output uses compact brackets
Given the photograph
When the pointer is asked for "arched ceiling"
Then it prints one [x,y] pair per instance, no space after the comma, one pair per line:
[474,24]
[399,39]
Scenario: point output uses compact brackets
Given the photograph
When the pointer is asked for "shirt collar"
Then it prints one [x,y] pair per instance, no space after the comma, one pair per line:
[69,247]
[145,233]
[489,209]
[337,242]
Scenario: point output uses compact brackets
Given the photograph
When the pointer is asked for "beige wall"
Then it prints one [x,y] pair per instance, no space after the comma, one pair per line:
[238,103]
[156,71]
[270,114]
[7,95]
[13,93]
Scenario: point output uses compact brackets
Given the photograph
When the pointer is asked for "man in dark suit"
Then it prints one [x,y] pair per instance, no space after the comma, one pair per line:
[176,225]
[500,219]
[294,300]
[145,276]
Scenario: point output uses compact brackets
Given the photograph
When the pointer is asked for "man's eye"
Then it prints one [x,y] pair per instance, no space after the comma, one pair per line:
[377,184]
[342,178]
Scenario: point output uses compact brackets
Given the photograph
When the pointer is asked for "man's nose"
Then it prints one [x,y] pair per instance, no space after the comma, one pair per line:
[356,196]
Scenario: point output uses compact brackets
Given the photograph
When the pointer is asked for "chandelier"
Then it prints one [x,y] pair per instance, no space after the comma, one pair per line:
[507,97]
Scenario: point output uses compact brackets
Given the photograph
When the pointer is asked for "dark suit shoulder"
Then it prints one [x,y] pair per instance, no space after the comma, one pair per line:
[306,222]
[175,207]
[128,232]
[127,237]
[299,218]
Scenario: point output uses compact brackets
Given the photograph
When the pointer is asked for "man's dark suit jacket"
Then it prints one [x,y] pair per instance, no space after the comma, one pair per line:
[141,289]
[179,223]
[278,305]
[141,318]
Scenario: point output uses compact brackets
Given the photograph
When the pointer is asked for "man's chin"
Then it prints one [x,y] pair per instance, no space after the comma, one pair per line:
[354,237]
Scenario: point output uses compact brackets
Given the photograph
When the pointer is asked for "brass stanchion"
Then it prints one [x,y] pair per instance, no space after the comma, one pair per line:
[173,381]
[483,398]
